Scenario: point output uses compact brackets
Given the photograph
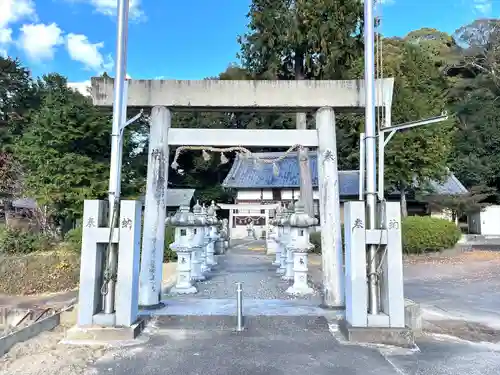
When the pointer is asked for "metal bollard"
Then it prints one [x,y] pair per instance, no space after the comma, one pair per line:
[239,307]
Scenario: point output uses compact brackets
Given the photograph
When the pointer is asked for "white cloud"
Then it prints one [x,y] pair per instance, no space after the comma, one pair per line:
[13,11]
[108,7]
[5,36]
[483,7]
[82,50]
[39,41]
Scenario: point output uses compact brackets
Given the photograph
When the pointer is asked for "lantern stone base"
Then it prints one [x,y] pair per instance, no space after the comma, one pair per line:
[402,337]
[205,268]
[196,267]
[184,290]
[211,260]
[288,276]
[276,261]
[282,269]
[300,290]
[198,278]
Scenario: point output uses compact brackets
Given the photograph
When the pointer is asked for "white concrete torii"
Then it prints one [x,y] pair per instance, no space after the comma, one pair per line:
[323,96]
[217,95]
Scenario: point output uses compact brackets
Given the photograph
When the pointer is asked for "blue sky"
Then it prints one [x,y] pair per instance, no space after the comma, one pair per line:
[189,39]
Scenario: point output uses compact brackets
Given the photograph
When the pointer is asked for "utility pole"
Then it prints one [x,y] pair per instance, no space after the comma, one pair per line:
[119,117]
[371,155]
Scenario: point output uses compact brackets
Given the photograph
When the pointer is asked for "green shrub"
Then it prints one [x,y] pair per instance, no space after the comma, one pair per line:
[420,234]
[16,241]
[168,254]
[73,239]
[315,239]
[428,234]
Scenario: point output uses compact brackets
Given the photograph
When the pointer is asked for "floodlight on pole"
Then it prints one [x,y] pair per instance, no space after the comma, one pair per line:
[392,130]
[413,124]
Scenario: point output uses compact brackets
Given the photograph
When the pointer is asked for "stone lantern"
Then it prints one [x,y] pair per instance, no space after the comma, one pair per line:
[206,240]
[219,243]
[185,230]
[225,231]
[275,234]
[213,235]
[299,246]
[286,254]
[283,239]
[199,243]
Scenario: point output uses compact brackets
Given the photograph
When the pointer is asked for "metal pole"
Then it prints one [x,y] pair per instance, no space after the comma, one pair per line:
[362,167]
[371,157]
[239,307]
[115,164]
[381,161]
[381,153]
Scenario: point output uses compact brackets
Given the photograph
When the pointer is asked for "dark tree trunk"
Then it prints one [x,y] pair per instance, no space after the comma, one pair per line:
[404,208]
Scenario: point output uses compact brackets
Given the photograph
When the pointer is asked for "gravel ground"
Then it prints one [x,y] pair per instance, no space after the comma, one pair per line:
[252,267]
[43,355]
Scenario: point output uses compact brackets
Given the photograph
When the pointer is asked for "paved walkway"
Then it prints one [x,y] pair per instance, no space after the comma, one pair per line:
[283,334]
[263,290]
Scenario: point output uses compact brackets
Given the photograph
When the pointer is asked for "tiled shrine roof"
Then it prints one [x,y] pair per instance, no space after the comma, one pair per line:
[245,175]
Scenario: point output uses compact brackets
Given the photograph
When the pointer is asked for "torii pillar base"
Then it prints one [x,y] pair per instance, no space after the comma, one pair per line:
[388,326]
[93,325]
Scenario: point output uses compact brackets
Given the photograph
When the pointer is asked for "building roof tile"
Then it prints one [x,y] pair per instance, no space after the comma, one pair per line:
[246,174]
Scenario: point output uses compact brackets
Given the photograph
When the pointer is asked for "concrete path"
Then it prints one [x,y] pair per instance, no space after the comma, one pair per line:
[283,334]
[263,290]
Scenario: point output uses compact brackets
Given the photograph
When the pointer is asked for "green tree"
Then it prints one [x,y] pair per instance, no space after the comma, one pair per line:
[65,151]
[309,39]
[415,156]
[17,97]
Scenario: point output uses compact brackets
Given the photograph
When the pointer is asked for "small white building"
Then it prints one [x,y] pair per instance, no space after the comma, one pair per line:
[257,186]
[485,222]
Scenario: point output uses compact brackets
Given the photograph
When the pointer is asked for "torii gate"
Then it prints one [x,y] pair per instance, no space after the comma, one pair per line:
[324,97]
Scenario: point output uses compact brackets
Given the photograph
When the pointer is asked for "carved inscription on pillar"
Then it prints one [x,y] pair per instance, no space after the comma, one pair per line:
[127,223]
[393,225]
[91,223]
[158,159]
[152,265]
[328,155]
[358,224]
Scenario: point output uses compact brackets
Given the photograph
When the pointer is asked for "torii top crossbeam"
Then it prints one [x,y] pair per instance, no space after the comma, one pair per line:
[242,95]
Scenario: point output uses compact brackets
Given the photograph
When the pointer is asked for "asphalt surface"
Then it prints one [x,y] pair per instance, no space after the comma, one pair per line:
[301,343]
[269,346]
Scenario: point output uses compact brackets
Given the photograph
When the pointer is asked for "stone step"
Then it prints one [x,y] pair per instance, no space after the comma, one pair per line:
[250,323]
